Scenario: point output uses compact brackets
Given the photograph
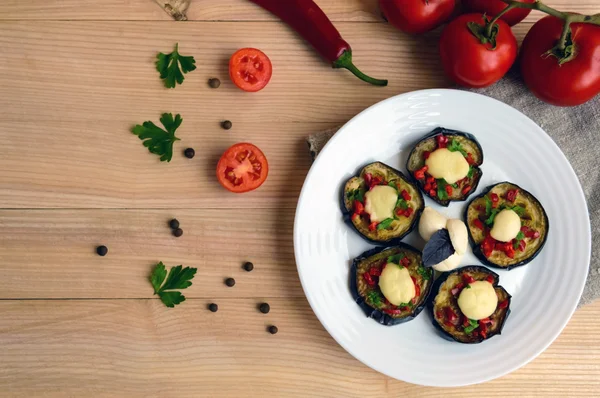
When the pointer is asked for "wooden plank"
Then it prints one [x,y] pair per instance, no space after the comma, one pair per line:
[51,253]
[209,10]
[139,348]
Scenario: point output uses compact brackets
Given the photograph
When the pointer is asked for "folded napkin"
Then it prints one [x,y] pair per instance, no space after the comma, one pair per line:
[575,130]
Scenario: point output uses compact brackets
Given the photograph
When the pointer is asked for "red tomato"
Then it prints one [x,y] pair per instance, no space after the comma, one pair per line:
[416,16]
[250,69]
[493,7]
[242,168]
[468,61]
[575,81]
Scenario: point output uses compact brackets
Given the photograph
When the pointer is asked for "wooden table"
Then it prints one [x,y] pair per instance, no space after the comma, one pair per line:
[74,77]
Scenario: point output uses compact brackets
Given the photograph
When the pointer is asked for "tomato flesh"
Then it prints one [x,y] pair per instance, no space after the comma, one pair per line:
[250,69]
[242,168]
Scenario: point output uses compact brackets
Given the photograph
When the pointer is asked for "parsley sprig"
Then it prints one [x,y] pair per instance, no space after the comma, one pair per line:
[472,326]
[179,278]
[157,140]
[168,65]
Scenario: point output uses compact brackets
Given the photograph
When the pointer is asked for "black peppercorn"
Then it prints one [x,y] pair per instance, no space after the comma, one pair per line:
[174,223]
[214,82]
[189,153]
[248,266]
[213,307]
[230,282]
[178,232]
[273,329]
[102,250]
[264,308]
[226,124]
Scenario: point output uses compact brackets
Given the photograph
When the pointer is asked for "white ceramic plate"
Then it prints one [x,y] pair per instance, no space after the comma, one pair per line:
[545,292]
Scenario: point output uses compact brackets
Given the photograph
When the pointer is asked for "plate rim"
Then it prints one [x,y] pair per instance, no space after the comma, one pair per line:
[331,142]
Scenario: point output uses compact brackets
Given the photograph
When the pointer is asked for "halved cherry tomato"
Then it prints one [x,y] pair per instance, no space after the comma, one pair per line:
[250,69]
[242,168]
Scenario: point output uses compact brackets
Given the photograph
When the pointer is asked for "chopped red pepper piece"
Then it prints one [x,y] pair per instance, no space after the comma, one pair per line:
[430,179]
[477,223]
[522,245]
[433,193]
[468,278]
[408,212]
[509,250]
[390,311]
[426,154]
[485,320]
[373,226]
[355,216]
[375,271]
[466,189]
[465,321]
[405,195]
[439,315]
[406,262]
[368,177]
[479,208]
[503,304]
[451,315]
[420,174]
[449,189]
[494,197]
[487,246]
[511,194]
[427,187]
[490,279]
[470,159]
[535,235]
[368,279]
[359,208]
[442,141]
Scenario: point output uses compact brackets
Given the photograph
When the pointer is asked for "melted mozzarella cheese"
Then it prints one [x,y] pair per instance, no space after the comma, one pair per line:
[479,301]
[380,202]
[396,285]
[507,225]
[451,166]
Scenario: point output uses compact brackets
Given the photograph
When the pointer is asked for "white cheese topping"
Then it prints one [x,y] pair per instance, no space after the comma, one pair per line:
[451,166]
[396,285]
[449,264]
[458,235]
[430,222]
[380,202]
[479,301]
[507,225]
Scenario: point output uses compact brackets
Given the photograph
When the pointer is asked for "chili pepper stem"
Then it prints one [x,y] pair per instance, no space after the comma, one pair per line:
[345,61]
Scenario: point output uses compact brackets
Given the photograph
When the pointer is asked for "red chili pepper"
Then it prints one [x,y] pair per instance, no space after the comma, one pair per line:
[449,189]
[511,194]
[358,207]
[477,223]
[420,174]
[468,278]
[503,304]
[368,279]
[441,140]
[405,195]
[306,18]
[466,189]
[490,279]
[373,226]
[426,154]
[470,159]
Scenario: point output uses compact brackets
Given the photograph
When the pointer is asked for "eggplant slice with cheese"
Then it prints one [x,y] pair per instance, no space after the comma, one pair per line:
[468,306]
[381,204]
[446,165]
[507,225]
[391,285]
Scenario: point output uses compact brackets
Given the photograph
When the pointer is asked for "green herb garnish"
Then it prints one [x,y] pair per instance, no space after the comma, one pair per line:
[455,146]
[179,278]
[168,65]
[405,305]
[519,210]
[492,216]
[472,326]
[520,236]
[488,205]
[392,184]
[356,194]
[401,203]
[471,172]
[426,273]
[468,286]
[441,189]
[385,224]
[374,297]
[157,140]
[395,259]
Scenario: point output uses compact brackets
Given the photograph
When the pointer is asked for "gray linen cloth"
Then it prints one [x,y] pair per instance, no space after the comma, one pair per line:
[575,130]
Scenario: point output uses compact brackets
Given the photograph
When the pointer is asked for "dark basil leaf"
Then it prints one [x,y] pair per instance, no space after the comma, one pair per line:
[438,248]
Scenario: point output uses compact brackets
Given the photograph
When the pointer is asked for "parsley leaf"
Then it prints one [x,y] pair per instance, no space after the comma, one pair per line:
[472,326]
[520,236]
[392,184]
[157,140]
[471,172]
[357,194]
[488,205]
[519,210]
[441,189]
[168,67]
[401,203]
[178,278]
[395,259]
[492,216]
[374,298]
[385,223]
[401,305]
[455,146]
[426,273]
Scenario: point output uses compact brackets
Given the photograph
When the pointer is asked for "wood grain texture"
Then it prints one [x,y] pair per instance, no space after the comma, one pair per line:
[137,348]
[75,76]
[54,251]
[211,10]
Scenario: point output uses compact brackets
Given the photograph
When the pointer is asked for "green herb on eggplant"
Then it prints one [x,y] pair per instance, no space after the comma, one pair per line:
[472,326]
[441,189]
[426,273]
[395,259]
[454,146]
[385,224]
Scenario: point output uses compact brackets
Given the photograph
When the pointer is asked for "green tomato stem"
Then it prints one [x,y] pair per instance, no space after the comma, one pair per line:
[490,25]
